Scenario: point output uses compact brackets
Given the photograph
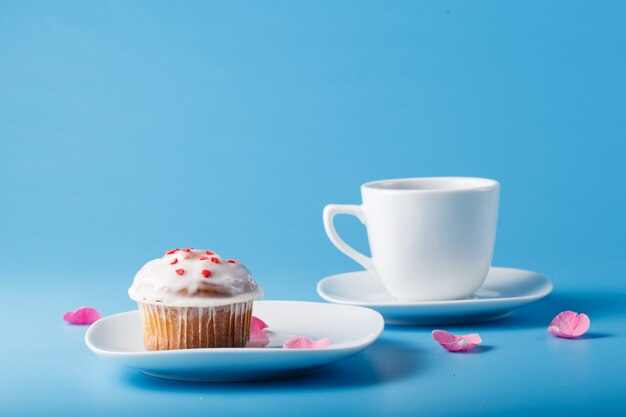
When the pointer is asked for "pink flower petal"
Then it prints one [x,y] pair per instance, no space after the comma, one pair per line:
[84,315]
[256,327]
[454,343]
[258,336]
[569,325]
[260,339]
[300,342]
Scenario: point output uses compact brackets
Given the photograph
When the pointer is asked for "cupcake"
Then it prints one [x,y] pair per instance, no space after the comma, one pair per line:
[191,299]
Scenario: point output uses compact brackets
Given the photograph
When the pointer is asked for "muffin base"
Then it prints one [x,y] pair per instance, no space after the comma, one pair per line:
[168,328]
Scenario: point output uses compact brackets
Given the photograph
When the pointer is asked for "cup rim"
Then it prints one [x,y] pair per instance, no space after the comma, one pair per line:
[473,184]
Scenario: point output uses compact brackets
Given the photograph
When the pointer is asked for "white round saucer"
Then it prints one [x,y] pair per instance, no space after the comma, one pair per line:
[504,289]
[118,339]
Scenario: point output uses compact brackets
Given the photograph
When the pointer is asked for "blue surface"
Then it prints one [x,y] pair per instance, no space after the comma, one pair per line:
[127,128]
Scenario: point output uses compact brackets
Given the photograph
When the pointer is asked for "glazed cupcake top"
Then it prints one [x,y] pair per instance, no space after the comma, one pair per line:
[193,278]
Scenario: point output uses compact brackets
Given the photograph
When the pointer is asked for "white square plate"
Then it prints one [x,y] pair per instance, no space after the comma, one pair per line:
[118,338]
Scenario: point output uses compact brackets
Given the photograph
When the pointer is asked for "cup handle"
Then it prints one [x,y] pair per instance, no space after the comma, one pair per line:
[329,214]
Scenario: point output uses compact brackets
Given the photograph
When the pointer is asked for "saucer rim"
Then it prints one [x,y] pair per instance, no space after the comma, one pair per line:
[533,297]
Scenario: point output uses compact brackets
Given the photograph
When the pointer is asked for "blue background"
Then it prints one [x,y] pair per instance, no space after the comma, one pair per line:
[129,128]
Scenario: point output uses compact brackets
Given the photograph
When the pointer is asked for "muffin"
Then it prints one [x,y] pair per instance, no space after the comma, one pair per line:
[191,299]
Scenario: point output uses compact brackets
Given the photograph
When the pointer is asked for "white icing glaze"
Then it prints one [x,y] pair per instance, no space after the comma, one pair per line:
[157,282]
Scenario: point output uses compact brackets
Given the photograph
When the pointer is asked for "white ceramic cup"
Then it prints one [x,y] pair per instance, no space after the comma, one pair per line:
[430,238]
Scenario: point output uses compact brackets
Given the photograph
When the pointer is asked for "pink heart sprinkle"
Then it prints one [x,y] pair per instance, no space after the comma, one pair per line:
[300,342]
[454,343]
[258,336]
[84,315]
[569,325]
